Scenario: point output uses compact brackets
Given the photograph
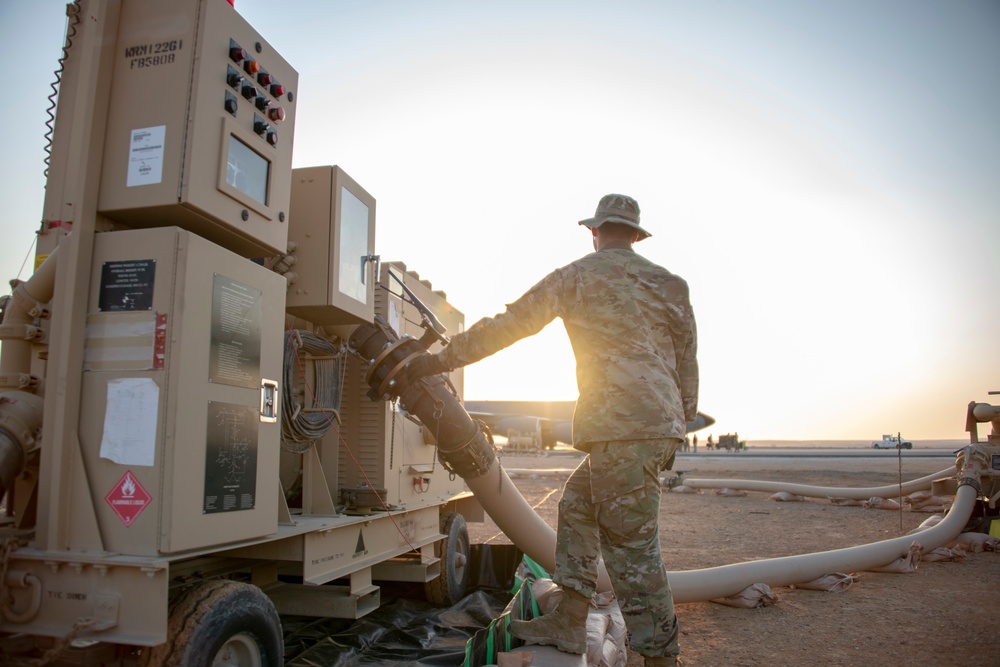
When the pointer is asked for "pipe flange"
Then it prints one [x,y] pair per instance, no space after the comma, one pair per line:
[390,377]
[375,363]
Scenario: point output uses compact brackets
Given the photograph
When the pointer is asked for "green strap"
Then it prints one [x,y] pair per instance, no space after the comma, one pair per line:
[490,648]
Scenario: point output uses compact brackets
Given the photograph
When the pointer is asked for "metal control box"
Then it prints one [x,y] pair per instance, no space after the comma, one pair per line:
[332,229]
[178,425]
[200,126]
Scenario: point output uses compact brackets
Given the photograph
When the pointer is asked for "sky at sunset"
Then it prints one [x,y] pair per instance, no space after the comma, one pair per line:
[825,175]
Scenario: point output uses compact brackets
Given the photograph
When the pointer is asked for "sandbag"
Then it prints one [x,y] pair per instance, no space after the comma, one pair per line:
[928,503]
[606,635]
[838,582]
[945,554]
[754,595]
[876,503]
[974,543]
[515,659]
[786,497]
[616,643]
[846,502]
[903,565]
[597,630]
[726,491]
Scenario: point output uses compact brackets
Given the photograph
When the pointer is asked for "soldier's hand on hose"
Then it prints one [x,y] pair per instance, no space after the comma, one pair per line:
[424,365]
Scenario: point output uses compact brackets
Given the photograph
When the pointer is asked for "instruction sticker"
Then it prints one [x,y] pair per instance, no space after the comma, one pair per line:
[145,159]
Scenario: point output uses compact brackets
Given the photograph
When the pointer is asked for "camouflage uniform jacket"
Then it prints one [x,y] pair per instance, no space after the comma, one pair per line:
[633,333]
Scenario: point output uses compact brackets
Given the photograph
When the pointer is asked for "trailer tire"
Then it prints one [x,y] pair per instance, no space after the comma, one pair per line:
[220,623]
[450,586]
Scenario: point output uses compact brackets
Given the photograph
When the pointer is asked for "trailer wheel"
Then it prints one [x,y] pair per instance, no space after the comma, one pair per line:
[223,624]
[450,586]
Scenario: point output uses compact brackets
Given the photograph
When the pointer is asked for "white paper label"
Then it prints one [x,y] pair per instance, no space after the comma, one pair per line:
[130,421]
[145,159]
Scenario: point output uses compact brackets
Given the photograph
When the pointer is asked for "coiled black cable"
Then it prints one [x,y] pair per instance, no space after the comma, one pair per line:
[307,415]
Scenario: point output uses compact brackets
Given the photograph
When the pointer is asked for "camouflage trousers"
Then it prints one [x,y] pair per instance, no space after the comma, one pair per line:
[610,507]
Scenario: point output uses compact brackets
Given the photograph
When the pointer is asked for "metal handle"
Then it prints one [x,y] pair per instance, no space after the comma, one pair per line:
[268,401]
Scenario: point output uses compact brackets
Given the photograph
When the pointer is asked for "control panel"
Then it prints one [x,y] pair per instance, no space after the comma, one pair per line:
[200,127]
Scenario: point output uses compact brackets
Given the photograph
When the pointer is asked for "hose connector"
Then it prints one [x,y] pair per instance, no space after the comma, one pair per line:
[463,446]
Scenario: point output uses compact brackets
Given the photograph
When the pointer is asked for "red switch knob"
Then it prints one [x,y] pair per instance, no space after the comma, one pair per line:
[277,90]
[264,78]
[237,54]
[251,66]
[276,113]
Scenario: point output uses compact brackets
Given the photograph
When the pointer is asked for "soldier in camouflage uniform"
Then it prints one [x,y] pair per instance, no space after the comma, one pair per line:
[633,334]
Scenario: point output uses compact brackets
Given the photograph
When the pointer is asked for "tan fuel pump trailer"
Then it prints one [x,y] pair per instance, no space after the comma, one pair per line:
[187,445]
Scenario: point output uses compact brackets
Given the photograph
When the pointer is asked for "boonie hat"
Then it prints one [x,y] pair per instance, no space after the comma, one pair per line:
[617,208]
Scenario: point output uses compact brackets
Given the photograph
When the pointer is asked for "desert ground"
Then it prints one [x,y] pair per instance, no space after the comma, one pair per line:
[941,614]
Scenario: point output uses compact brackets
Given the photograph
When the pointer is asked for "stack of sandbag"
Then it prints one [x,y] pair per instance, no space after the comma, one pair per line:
[607,638]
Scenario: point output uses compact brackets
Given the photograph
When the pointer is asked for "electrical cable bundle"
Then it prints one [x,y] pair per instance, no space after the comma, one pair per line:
[301,427]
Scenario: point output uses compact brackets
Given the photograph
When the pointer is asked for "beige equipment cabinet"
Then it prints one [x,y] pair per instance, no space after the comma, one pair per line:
[200,126]
[178,425]
[332,233]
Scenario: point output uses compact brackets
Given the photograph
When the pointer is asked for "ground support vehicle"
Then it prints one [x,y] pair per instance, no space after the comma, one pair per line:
[892,442]
[730,442]
[188,447]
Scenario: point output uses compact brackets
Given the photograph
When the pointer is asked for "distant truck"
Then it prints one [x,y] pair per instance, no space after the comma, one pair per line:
[892,442]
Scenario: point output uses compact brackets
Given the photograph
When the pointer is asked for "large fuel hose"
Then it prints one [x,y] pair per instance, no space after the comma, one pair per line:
[725,580]
[465,449]
[864,493]
[463,446]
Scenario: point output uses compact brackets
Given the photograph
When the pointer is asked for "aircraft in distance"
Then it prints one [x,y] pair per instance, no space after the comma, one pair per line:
[540,425]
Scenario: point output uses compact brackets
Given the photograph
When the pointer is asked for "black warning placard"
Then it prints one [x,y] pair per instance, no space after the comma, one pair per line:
[127,285]
[230,458]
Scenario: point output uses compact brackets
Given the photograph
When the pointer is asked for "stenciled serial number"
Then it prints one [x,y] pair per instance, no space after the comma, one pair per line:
[151,55]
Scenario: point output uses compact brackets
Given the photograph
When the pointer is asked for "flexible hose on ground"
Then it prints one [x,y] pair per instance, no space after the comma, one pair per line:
[888,491]
[726,580]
